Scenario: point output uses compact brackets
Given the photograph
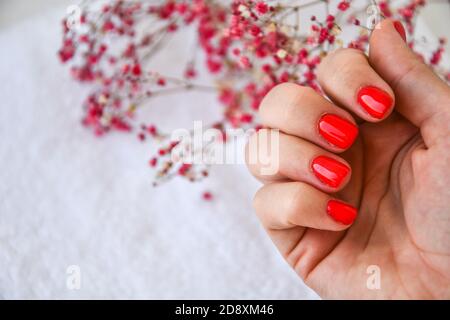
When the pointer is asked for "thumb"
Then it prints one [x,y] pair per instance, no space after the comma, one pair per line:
[420,95]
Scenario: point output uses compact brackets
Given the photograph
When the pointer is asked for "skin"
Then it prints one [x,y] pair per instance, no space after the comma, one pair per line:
[400,180]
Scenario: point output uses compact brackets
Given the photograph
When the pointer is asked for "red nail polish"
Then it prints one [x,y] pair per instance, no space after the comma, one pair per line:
[375,101]
[341,212]
[329,171]
[337,131]
[400,29]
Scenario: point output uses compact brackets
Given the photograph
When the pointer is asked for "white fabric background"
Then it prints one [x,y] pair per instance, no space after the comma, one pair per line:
[67,198]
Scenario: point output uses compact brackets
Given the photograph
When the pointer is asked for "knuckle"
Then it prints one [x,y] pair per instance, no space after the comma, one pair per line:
[287,93]
[413,68]
[261,154]
[273,95]
[295,101]
[332,56]
[339,62]
[258,200]
[294,206]
[303,93]
[344,54]
[284,88]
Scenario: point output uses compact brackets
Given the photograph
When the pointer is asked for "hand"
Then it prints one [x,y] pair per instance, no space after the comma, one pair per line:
[384,201]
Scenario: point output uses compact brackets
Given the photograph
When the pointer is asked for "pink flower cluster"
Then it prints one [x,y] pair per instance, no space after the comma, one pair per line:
[249,46]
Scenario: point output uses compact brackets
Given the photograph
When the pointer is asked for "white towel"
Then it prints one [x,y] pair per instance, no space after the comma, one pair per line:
[70,199]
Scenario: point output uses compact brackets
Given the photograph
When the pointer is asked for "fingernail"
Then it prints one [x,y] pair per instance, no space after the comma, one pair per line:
[400,29]
[329,171]
[375,101]
[337,131]
[341,212]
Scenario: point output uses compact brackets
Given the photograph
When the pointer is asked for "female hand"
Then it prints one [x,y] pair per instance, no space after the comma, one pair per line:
[362,181]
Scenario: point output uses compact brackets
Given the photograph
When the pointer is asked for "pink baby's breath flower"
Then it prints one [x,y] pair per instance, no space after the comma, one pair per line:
[343,5]
[262,7]
[247,47]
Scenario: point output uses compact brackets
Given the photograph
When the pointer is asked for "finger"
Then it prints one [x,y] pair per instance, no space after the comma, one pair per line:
[347,78]
[296,159]
[302,112]
[287,205]
[421,96]
[305,255]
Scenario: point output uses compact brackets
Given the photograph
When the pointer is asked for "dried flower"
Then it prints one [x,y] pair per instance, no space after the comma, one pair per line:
[248,48]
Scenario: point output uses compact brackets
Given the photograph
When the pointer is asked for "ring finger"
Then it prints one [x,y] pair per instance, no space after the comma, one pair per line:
[302,112]
[288,157]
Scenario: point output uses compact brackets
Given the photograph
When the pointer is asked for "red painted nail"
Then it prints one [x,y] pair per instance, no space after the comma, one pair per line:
[375,101]
[341,212]
[337,131]
[400,29]
[329,171]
